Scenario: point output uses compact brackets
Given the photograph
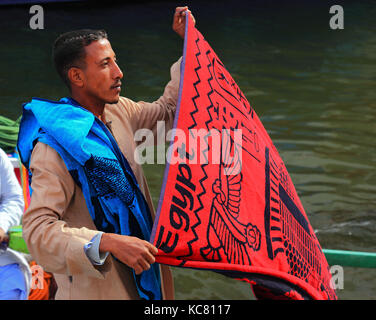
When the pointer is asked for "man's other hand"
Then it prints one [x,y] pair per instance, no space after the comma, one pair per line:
[178,24]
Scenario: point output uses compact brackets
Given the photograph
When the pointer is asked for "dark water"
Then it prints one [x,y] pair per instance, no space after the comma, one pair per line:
[313,88]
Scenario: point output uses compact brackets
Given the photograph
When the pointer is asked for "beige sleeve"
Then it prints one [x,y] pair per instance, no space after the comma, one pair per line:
[57,247]
[145,115]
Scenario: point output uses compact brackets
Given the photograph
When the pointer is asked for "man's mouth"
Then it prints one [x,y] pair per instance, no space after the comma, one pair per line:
[117,86]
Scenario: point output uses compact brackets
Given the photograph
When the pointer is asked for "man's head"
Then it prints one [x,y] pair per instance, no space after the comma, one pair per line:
[87,64]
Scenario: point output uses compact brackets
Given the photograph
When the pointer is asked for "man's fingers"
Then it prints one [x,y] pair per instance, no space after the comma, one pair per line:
[142,265]
[138,269]
[178,24]
[183,14]
[179,10]
[153,250]
[149,258]
[146,258]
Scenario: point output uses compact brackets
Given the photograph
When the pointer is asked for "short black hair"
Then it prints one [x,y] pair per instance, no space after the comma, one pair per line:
[69,50]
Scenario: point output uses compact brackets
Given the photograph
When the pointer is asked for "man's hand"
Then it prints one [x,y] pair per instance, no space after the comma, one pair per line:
[3,236]
[178,24]
[134,252]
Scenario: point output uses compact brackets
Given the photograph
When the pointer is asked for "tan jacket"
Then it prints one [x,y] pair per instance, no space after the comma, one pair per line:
[57,224]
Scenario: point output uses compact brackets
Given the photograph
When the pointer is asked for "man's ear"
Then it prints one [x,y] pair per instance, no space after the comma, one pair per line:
[76,77]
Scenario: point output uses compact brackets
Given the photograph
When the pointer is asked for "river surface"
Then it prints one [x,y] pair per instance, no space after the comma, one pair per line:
[313,88]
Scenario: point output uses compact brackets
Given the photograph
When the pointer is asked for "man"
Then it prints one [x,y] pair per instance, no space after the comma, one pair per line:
[85,179]
[15,275]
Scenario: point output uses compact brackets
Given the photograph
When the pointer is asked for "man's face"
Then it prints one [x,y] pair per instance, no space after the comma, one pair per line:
[102,74]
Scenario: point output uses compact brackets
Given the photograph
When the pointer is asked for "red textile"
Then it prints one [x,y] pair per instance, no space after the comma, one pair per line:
[242,218]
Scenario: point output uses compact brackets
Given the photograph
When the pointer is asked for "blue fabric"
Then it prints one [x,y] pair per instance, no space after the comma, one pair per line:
[12,283]
[94,160]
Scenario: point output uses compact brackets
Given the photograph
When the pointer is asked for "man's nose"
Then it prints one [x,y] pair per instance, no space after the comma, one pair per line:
[118,74]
